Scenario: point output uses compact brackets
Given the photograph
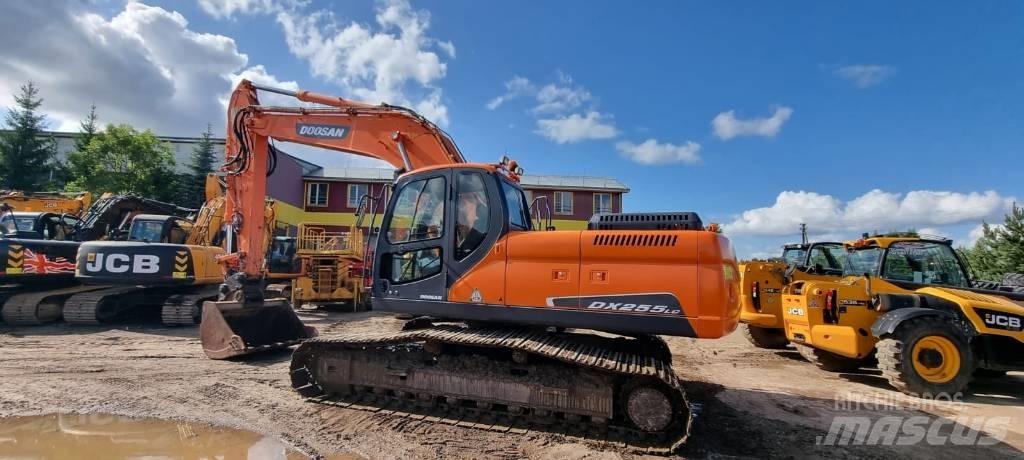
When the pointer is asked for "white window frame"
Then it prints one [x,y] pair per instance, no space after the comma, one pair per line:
[355,203]
[611,206]
[326,194]
[564,211]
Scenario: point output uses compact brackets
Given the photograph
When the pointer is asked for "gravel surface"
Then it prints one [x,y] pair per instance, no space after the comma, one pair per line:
[754,403]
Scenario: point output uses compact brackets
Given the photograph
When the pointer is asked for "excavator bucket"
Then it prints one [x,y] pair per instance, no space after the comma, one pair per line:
[230,329]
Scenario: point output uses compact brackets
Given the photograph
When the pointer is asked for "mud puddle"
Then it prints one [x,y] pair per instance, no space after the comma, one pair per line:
[111,436]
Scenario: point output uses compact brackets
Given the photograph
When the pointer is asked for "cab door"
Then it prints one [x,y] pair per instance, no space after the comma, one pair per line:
[411,247]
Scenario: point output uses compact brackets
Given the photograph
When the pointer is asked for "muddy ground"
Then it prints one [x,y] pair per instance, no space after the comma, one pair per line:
[754,403]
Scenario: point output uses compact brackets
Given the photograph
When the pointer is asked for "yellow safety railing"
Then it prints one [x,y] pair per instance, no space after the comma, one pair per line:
[317,240]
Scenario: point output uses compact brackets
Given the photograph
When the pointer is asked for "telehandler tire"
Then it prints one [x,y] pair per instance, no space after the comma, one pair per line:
[926,357]
[828,361]
[760,337]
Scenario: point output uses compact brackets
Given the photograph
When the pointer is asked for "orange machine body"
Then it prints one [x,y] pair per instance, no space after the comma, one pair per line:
[586,270]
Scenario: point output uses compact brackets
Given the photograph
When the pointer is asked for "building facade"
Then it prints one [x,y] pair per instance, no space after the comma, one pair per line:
[329,197]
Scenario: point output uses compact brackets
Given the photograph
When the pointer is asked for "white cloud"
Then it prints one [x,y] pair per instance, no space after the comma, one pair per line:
[875,210]
[651,152]
[556,98]
[143,66]
[865,75]
[227,8]
[979,231]
[514,88]
[575,128]
[727,126]
[394,62]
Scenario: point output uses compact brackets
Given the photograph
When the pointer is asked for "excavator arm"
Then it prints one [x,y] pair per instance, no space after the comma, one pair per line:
[394,134]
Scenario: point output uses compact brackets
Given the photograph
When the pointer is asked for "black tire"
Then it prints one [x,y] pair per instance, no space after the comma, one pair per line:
[828,361]
[771,339]
[1013,279]
[896,362]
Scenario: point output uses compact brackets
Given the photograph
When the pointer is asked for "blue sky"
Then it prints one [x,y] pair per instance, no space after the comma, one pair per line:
[818,104]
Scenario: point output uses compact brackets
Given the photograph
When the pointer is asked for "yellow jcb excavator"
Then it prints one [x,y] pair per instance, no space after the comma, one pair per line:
[167,261]
[55,202]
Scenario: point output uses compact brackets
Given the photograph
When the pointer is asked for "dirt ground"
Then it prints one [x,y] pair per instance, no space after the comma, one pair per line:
[753,403]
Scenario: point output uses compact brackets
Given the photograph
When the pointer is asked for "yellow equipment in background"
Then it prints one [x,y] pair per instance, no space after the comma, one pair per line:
[331,267]
[57,203]
[763,283]
[911,302]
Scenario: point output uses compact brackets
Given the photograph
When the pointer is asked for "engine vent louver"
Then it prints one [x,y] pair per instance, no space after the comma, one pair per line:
[646,221]
[634,239]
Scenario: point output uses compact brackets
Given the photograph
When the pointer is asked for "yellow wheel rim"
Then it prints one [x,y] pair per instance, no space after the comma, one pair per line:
[936,359]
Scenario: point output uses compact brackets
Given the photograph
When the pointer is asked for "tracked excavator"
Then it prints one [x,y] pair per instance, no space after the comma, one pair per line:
[457,245]
[55,202]
[40,252]
[167,262]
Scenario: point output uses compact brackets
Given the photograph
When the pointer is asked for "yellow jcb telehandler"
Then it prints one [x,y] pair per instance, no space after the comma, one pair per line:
[911,302]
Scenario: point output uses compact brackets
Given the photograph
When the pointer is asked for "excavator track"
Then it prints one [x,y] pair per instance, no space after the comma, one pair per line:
[505,379]
[96,307]
[37,308]
[185,309]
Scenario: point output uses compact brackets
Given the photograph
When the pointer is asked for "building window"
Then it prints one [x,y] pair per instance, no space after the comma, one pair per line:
[563,203]
[602,202]
[316,194]
[355,193]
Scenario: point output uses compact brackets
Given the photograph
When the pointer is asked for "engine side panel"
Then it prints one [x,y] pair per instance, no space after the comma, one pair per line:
[153,264]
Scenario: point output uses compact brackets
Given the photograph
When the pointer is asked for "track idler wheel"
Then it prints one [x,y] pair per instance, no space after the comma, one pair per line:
[650,407]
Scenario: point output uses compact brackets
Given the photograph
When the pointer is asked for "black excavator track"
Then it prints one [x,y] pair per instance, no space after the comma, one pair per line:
[610,389]
[39,307]
[97,307]
[185,309]
[178,306]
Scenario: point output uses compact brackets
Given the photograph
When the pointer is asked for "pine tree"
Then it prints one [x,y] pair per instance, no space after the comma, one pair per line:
[88,130]
[1000,250]
[26,158]
[200,164]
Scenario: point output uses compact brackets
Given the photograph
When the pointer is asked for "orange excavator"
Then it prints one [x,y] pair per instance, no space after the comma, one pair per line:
[505,311]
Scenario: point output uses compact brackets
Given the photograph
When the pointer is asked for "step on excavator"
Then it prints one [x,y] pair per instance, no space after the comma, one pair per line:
[911,303]
[763,283]
[511,309]
[40,250]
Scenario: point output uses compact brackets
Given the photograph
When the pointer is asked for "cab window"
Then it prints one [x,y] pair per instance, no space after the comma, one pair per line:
[472,213]
[149,231]
[827,258]
[419,212]
[861,261]
[406,267]
[923,263]
[793,256]
[518,213]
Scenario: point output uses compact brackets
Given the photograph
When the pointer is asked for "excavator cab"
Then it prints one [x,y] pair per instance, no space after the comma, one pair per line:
[439,225]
